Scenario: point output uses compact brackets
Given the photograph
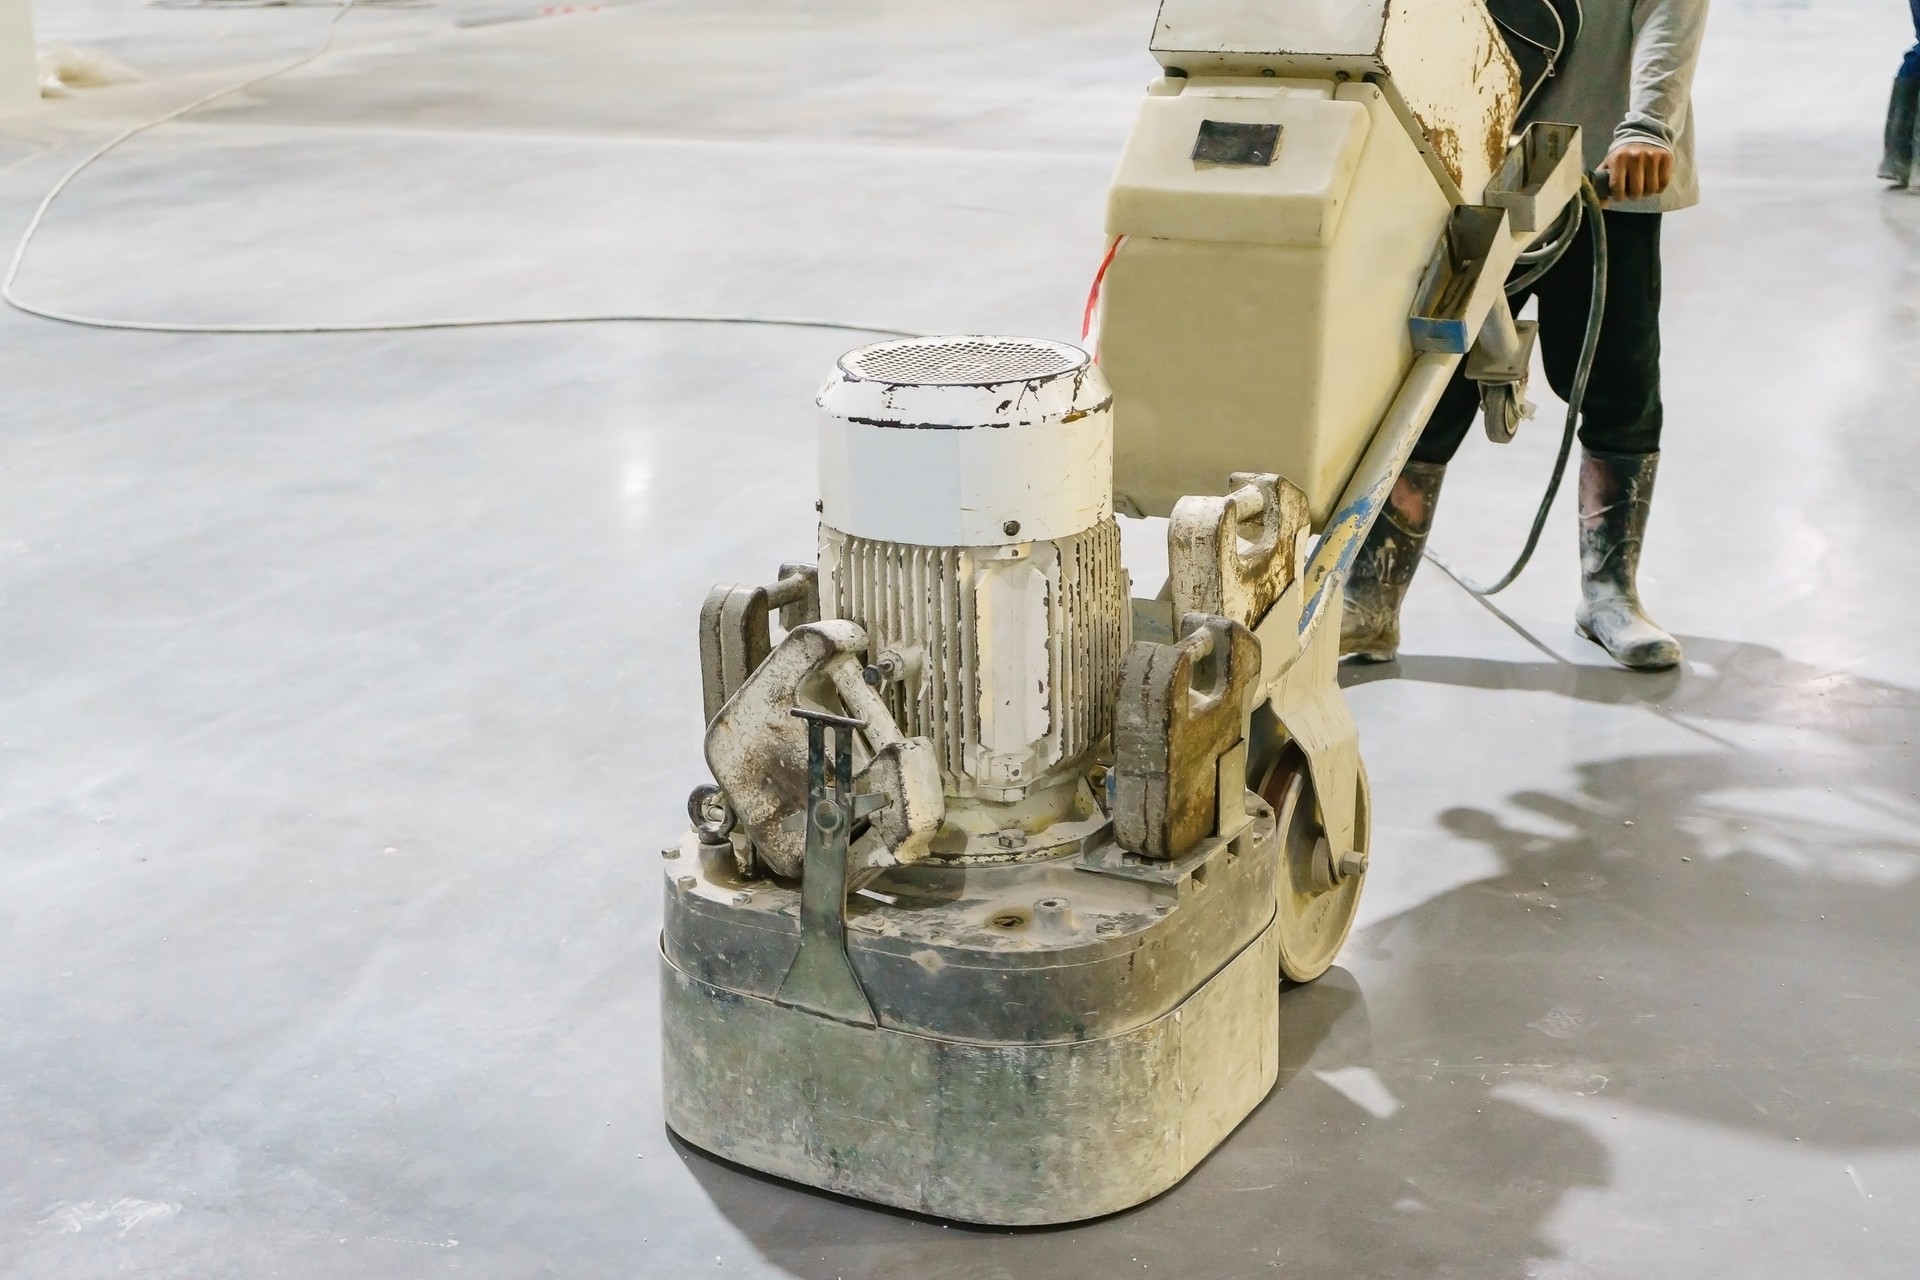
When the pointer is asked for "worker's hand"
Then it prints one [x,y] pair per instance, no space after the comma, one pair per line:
[1637,169]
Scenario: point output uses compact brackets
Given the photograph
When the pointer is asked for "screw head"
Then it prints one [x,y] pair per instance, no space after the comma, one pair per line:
[1010,528]
[819,504]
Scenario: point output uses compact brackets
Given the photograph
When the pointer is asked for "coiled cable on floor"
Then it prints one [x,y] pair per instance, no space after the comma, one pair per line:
[1583,370]
[13,300]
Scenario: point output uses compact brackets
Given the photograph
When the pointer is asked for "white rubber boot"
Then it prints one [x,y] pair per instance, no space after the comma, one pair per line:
[1616,492]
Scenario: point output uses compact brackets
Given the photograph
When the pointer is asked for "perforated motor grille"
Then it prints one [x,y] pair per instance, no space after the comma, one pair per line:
[945,362]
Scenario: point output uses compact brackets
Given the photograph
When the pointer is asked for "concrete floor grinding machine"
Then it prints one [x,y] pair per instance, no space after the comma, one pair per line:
[986,909]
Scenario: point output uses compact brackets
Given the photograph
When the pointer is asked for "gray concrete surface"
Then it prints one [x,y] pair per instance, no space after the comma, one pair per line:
[347,683]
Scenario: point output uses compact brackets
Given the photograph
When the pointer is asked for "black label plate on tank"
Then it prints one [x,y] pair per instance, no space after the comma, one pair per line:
[1232,142]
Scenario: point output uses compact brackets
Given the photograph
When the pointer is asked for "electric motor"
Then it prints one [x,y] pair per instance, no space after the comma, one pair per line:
[967,527]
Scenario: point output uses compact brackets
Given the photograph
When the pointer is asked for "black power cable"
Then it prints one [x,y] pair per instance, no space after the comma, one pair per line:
[1589,343]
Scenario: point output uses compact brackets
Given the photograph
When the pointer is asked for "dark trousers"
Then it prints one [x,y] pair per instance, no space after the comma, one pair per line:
[1910,69]
[1622,413]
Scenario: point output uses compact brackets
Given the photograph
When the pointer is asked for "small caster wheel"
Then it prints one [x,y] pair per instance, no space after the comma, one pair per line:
[1503,407]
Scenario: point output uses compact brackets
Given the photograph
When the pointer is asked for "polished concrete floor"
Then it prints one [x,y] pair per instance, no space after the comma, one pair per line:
[347,683]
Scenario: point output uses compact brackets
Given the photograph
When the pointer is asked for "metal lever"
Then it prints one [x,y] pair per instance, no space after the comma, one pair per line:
[821,978]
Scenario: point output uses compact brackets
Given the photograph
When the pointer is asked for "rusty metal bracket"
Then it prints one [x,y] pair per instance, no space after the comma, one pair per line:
[1466,277]
[1111,860]
[736,628]
[1181,708]
[821,978]
[1212,569]
[758,753]
[1539,177]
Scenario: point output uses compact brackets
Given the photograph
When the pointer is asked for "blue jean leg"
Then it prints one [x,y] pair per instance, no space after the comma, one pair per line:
[1910,69]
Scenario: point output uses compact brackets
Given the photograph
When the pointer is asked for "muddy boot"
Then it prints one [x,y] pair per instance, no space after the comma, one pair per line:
[1903,132]
[1370,623]
[1616,490]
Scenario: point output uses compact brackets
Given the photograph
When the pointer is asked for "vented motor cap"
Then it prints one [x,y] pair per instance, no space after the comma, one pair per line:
[966,441]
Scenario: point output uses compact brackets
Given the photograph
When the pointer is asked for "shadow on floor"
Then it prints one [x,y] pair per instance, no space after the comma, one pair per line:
[1710,930]
[1724,681]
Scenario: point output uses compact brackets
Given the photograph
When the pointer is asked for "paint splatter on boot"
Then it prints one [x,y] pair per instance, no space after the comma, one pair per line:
[1616,493]
[1382,572]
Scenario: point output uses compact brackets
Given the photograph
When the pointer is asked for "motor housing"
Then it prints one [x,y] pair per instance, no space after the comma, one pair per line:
[967,527]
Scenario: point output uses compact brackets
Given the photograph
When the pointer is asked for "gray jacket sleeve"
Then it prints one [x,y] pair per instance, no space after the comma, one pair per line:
[1666,47]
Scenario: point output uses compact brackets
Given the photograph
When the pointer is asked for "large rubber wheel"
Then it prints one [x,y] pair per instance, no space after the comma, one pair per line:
[1314,905]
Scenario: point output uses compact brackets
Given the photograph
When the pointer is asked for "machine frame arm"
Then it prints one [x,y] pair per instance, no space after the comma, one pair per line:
[1461,308]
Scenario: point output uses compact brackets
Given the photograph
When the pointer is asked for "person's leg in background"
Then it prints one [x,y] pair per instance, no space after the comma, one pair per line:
[1382,572]
[1903,114]
[1620,424]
